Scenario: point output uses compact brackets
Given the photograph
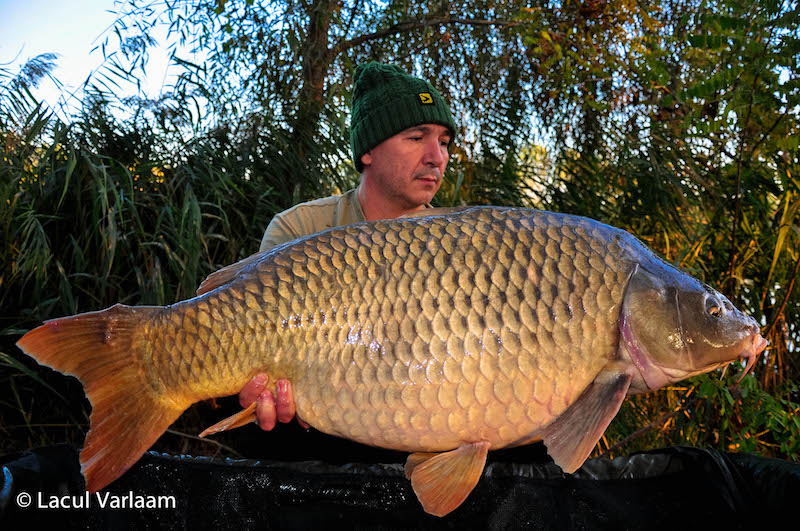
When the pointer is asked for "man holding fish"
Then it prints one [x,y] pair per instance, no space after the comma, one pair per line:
[401,129]
[445,336]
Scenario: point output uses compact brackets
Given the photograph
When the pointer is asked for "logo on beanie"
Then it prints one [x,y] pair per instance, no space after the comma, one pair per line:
[425,98]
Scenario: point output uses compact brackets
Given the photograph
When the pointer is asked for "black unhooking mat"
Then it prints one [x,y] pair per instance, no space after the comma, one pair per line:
[673,488]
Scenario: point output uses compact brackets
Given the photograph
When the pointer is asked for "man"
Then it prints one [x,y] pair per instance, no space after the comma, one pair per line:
[400,132]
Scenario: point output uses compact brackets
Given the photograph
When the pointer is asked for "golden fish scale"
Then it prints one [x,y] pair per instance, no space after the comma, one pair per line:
[417,334]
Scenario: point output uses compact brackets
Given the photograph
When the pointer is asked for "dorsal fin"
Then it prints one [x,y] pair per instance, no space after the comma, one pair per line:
[228,273]
[438,211]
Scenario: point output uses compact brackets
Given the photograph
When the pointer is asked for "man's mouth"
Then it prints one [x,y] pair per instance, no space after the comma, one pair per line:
[432,178]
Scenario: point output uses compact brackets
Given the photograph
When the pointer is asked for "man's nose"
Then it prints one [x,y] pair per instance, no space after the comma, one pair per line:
[433,153]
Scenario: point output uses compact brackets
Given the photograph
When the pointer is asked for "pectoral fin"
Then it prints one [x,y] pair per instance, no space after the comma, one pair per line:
[241,418]
[443,481]
[572,436]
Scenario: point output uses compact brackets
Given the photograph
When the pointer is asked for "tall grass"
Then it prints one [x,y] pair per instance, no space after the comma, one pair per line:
[82,229]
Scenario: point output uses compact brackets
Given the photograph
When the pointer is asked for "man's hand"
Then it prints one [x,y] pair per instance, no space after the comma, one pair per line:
[270,409]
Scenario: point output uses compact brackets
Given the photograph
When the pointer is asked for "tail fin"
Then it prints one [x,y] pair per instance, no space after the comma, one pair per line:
[127,417]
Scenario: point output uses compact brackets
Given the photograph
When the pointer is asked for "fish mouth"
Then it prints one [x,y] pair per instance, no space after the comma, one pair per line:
[750,354]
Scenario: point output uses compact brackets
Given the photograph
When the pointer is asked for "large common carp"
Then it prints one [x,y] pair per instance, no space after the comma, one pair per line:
[445,335]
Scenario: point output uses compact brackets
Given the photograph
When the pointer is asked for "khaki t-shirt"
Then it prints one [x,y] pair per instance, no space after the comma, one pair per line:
[312,217]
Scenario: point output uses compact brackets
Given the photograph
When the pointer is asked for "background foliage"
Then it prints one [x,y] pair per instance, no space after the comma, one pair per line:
[676,120]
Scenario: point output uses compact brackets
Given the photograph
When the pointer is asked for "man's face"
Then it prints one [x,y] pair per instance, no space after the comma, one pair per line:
[409,166]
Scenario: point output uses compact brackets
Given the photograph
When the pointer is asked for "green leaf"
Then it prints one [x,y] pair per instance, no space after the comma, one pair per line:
[71,163]
[707,389]
[727,394]
[697,41]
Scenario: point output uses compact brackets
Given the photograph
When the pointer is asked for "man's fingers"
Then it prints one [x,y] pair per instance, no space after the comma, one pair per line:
[285,401]
[271,408]
[253,389]
[265,411]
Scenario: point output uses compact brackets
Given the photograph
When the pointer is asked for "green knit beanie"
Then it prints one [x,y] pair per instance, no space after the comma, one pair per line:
[387,101]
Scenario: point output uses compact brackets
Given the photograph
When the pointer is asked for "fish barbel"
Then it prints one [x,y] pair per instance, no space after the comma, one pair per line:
[445,335]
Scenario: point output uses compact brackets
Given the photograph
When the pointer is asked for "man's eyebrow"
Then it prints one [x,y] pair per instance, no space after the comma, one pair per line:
[418,128]
[426,129]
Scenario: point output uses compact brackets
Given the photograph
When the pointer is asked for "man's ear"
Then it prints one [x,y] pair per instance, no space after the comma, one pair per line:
[366,159]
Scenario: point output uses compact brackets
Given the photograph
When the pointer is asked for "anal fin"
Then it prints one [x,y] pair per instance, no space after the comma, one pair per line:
[443,481]
[571,437]
[238,420]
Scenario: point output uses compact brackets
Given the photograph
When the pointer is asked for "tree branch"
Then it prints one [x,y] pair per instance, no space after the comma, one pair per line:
[411,25]
[765,135]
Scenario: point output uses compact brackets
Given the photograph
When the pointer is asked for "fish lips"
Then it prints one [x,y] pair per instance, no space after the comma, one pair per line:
[751,352]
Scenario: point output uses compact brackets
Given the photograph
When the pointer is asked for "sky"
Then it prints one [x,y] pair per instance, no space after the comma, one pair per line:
[69,28]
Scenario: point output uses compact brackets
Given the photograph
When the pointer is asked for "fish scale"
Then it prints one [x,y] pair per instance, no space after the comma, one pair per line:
[456,333]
